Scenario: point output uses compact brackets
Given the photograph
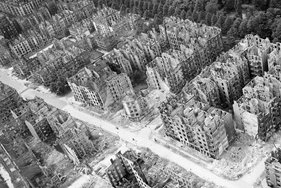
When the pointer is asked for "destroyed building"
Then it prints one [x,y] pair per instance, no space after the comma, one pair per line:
[272,169]
[125,171]
[169,69]
[135,106]
[197,125]
[206,41]
[9,100]
[204,89]
[99,86]
[257,112]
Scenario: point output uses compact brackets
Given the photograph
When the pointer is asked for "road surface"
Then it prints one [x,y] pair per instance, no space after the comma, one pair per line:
[140,139]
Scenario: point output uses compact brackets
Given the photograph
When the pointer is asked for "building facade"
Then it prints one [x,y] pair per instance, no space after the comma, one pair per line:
[9,100]
[135,106]
[124,171]
[198,126]
[272,169]
[7,27]
[257,112]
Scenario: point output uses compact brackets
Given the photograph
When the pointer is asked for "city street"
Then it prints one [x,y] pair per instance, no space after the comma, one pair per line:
[140,138]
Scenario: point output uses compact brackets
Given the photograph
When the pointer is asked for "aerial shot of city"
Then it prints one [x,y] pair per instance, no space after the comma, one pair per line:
[140,93]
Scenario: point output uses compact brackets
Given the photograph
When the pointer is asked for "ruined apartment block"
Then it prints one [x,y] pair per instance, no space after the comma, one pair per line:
[154,80]
[99,86]
[125,171]
[110,26]
[9,100]
[135,106]
[272,169]
[117,57]
[37,132]
[18,8]
[204,40]
[169,70]
[197,125]
[227,77]
[135,53]
[204,89]
[257,112]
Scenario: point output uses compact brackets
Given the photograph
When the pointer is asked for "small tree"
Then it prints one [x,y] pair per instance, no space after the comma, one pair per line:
[212,7]
[165,9]
[229,5]
[160,10]
[220,21]
[195,16]
[199,6]
[171,11]
[242,29]
[177,12]
[145,14]
[227,24]
[238,7]
[183,15]
[201,16]
[208,18]
[276,35]
[275,4]
[214,19]
[155,8]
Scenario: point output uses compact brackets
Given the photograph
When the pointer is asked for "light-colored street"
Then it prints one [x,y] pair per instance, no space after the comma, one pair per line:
[140,138]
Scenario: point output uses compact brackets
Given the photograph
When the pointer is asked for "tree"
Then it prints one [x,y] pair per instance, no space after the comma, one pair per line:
[131,4]
[238,7]
[199,6]
[195,16]
[201,16]
[189,13]
[128,10]
[150,6]
[227,24]
[208,18]
[171,11]
[141,10]
[177,12]
[214,19]
[135,10]
[183,15]
[145,6]
[233,31]
[220,21]
[229,5]
[136,3]
[165,9]
[145,14]
[155,7]
[275,4]
[126,3]
[237,23]
[261,24]
[212,7]
[160,10]
[52,7]
[158,19]
[261,4]
[122,10]
[242,29]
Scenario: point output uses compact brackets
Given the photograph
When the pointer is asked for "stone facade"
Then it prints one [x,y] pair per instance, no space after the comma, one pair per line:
[99,86]
[198,126]
[272,169]
[257,112]
[125,170]
[9,100]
